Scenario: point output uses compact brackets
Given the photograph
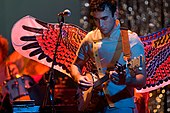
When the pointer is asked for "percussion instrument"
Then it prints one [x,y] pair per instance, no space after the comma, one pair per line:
[17,87]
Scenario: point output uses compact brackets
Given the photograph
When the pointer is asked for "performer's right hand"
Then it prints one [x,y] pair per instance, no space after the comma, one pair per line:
[84,82]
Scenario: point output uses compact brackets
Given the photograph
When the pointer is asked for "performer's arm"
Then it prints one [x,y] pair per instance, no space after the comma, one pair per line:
[83,81]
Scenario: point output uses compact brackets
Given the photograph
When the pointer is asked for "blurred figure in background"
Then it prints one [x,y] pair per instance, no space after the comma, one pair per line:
[3,56]
[8,70]
[17,74]
[6,106]
[28,66]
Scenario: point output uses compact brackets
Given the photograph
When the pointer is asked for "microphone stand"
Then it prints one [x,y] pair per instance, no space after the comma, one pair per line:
[51,82]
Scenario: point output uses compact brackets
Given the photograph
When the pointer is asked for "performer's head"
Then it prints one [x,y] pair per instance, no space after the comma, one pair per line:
[100,5]
[103,13]
[3,48]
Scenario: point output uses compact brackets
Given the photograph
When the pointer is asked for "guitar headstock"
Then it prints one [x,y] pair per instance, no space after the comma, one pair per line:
[136,62]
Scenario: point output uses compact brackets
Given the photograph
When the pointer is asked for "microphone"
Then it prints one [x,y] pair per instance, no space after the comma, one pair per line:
[66,12]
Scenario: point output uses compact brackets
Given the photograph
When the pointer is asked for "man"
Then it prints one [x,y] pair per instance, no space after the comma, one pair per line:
[3,56]
[107,33]
[7,69]
[5,106]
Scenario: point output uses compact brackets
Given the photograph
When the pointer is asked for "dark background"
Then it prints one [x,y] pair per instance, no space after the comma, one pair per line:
[46,10]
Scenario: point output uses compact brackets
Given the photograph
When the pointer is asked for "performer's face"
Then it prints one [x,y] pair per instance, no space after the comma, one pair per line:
[104,21]
[14,69]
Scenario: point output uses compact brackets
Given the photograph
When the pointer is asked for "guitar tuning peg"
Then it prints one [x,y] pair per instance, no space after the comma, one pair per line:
[140,68]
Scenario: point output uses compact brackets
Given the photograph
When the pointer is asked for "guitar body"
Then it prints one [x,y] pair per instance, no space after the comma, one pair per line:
[87,100]
[84,98]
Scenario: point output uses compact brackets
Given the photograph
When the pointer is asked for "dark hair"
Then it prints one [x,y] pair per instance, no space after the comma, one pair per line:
[99,5]
[3,46]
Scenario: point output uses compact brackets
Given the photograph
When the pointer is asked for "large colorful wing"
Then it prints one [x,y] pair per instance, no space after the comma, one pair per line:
[37,40]
[157,51]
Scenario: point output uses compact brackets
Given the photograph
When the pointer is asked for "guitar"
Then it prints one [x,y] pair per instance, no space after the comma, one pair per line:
[86,99]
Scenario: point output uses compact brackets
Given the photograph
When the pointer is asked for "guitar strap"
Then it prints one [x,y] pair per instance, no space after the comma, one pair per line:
[123,45]
[96,45]
[116,56]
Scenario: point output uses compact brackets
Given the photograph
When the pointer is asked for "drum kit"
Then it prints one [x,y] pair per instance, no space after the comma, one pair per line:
[18,87]
[18,92]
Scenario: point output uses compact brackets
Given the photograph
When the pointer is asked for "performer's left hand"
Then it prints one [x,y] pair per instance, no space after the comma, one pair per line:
[117,78]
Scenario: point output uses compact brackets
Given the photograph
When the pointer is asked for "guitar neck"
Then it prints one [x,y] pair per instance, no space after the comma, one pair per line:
[136,62]
[100,81]
[106,77]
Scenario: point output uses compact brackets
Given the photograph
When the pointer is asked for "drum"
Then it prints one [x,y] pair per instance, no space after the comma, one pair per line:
[17,87]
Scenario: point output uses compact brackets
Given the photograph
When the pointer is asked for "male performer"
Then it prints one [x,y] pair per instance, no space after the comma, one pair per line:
[117,93]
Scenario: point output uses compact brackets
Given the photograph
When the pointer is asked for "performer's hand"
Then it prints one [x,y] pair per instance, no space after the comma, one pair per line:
[117,78]
[84,82]
[114,77]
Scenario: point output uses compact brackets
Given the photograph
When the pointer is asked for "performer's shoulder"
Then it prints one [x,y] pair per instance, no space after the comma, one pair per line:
[134,39]
[133,36]
[90,35]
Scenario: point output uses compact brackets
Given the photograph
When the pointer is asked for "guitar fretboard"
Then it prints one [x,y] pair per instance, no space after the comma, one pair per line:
[100,81]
